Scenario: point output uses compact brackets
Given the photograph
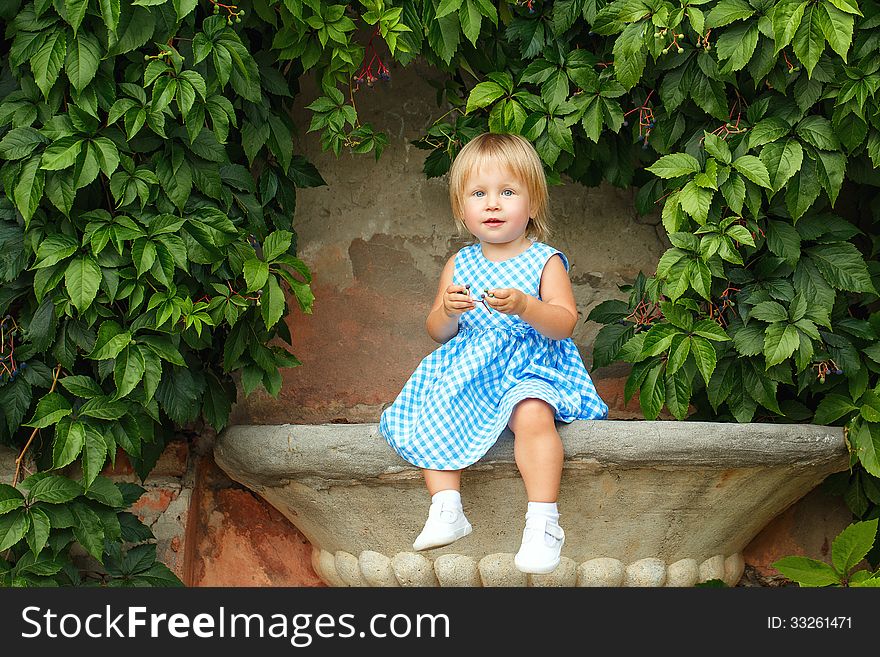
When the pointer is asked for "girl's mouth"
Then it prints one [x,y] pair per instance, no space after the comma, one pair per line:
[493,222]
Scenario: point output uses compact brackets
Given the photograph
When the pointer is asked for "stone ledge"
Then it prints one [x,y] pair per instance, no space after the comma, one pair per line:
[658,501]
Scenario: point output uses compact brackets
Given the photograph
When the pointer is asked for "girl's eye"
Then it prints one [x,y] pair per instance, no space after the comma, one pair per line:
[478,194]
[508,190]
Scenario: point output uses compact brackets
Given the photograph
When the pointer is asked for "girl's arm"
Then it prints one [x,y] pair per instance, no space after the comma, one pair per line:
[442,322]
[555,316]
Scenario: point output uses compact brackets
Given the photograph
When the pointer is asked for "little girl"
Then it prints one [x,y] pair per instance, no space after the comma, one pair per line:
[504,314]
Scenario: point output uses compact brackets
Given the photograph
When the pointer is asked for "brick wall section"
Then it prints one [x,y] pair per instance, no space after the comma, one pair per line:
[210,530]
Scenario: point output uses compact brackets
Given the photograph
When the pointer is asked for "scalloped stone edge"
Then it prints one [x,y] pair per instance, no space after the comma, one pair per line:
[414,569]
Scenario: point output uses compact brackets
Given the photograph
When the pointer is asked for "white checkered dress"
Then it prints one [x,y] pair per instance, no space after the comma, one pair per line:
[459,399]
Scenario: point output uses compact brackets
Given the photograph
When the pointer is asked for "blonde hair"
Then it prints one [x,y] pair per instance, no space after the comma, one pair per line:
[511,152]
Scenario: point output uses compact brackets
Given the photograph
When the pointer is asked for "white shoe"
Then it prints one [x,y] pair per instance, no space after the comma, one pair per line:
[541,546]
[445,524]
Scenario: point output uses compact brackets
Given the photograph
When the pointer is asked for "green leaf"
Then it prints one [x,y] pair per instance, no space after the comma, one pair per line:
[62,153]
[179,394]
[749,340]
[609,342]
[728,11]
[818,131]
[734,191]
[786,17]
[652,392]
[843,266]
[47,61]
[867,445]
[110,13]
[783,160]
[108,155]
[29,189]
[129,370]
[112,339]
[802,191]
[82,278]
[217,403]
[69,440]
[482,95]
[89,530]
[13,527]
[19,143]
[737,45]
[806,572]
[447,7]
[716,147]
[705,356]
[103,408]
[470,19]
[708,328]
[74,12]
[272,303]
[767,130]
[695,201]
[38,534]
[849,6]
[94,454]
[152,372]
[163,347]
[106,492]
[256,273]
[675,165]
[753,169]
[852,544]
[630,55]
[780,341]
[184,7]
[678,392]
[50,409]
[809,39]
[831,168]
[53,249]
[783,240]
[83,58]
[10,498]
[143,255]
[725,376]
[678,354]
[54,489]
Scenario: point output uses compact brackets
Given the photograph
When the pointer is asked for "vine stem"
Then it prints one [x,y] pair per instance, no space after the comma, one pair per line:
[34,432]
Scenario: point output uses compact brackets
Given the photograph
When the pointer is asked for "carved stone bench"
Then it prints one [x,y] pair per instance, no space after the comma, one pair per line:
[643,503]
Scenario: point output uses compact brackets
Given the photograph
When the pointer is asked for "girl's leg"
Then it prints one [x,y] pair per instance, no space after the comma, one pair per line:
[437,480]
[446,521]
[539,455]
[537,449]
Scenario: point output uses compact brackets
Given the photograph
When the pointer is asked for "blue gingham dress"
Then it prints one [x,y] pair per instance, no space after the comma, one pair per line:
[459,399]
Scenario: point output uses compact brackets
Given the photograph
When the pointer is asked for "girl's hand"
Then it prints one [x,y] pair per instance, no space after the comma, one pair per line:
[509,301]
[457,300]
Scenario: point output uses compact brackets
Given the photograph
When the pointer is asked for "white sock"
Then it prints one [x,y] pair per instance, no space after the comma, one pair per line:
[543,510]
[450,496]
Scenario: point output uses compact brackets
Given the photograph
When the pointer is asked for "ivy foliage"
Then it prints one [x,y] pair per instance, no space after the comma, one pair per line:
[147,255]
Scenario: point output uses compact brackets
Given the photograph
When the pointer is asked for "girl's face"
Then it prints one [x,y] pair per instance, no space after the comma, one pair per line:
[496,205]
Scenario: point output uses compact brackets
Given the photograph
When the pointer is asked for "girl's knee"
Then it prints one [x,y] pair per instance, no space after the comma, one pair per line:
[532,417]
